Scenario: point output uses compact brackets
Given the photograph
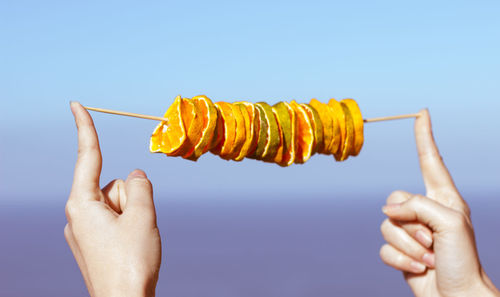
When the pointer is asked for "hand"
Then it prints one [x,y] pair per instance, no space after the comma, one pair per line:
[112,232]
[430,238]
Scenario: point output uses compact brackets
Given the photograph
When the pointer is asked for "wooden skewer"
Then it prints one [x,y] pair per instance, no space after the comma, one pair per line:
[390,118]
[148,117]
[128,114]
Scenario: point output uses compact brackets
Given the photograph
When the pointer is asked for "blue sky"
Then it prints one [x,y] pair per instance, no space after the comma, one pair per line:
[391,56]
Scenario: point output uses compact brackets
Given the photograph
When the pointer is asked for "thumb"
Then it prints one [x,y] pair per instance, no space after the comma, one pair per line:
[139,195]
[424,210]
[436,175]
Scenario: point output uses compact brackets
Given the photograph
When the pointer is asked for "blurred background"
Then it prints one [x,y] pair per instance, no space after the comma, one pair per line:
[248,228]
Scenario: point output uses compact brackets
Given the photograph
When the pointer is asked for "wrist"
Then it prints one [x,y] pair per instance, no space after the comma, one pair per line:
[483,289]
[127,290]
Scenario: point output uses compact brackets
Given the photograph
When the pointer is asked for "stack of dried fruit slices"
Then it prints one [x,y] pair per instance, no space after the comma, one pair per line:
[284,133]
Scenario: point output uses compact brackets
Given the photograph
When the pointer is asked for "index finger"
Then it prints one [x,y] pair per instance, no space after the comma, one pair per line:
[89,162]
[436,175]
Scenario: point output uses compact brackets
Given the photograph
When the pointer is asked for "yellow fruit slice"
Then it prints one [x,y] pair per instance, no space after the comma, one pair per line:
[193,123]
[285,155]
[208,113]
[226,144]
[349,138]
[305,134]
[282,129]
[339,120]
[219,130]
[260,134]
[317,126]
[169,136]
[240,137]
[249,133]
[273,135]
[331,135]
[358,124]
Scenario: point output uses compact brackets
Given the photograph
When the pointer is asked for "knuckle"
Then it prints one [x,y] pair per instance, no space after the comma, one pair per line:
[417,199]
[396,196]
[458,220]
[67,231]
[71,209]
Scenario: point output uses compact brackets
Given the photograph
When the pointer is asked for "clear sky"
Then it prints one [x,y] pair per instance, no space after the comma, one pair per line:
[391,56]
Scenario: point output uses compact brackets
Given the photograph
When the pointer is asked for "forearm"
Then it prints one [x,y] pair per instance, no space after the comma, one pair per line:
[489,288]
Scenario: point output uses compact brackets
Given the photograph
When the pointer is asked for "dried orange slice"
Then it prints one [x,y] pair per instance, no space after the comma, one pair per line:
[249,133]
[273,135]
[358,124]
[225,145]
[349,136]
[193,123]
[339,120]
[208,113]
[330,133]
[169,136]
[281,129]
[240,137]
[219,130]
[317,126]
[285,155]
[260,134]
[305,134]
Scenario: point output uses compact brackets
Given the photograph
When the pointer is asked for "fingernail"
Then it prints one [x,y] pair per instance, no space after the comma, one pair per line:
[429,259]
[138,173]
[389,207]
[417,267]
[423,238]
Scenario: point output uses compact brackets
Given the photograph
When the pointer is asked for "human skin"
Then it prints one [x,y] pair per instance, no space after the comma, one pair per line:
[431,238]
[112,232]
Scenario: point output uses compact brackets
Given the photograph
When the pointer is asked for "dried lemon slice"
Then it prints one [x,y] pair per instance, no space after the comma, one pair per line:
[218,132]
[317,126]
[169,136]
[358,124]
[273,139]
[240,130]
[339,120]
[248,116]
[349,136]
[305,134]
[331,135]
[285,115]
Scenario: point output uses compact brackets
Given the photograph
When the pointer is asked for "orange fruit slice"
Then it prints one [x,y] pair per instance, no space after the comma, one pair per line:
[317,126]
[208,114]
[338,119]
[260,134]
[223,148]
[240,130]
[330,129]
[267,152]
[358,124]
[282,129]
[248,116]
[285,155]
[169,136]
[193,123]
[349,136]
[305,134]
[219,130]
